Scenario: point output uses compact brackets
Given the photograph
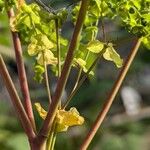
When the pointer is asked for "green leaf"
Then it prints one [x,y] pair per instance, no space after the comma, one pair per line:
[39,43]
[46,56]
[146,42]
[111,55]
[95,46]
[80,62]
[39,70]
[1,5]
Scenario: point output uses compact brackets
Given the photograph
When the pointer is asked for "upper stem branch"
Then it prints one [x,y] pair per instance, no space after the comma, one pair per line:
[47,83]
[65,71]
[22,73]
[76,88]
[111,97]
[58,47]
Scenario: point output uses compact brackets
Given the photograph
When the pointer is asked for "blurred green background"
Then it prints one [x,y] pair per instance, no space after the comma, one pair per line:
[120,131]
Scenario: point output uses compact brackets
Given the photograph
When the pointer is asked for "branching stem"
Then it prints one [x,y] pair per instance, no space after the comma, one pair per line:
[16,100]
[83,79]
[65,71]
[22,73]
[111,97]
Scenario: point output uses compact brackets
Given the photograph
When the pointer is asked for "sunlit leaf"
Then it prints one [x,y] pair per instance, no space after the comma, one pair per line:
[95,46]
[111,55]
[80,62]
[39,70]
[146,42]
[40,110]
[47,56]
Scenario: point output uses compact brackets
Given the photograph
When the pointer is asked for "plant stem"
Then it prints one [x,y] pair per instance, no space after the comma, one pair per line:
[51,138]
[78,84]
[80,72]
[16,100]
[53,141]
[22,74]
[102,23]
[58,47]
[78,79]
[58,52]
[65,71]
[49,141]
[111,97]
[47,82]
[82,79]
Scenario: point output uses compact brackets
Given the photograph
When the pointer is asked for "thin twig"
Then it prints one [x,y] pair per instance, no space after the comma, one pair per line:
[16,100]
[58,47]
[65,71]
[83,79]
[58,51]
[47,83]
[77,79]
[102,23]
[22,74]
[78,83]
[54,140]
[111,97]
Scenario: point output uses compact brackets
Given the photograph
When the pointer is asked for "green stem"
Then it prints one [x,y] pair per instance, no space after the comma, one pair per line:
[102,114]
[52,137]
[53,141]
[58,51]
[46,79]
[78,78]
[65,71]
[79,74]
[83,79]
[49,141]
[78,84]
[58,47]
[47,83]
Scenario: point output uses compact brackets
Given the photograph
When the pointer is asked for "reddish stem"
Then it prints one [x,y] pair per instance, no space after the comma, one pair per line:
[16,100]
[22,73]
[101,116]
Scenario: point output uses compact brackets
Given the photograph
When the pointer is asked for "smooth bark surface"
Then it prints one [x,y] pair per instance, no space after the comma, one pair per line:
[102,114]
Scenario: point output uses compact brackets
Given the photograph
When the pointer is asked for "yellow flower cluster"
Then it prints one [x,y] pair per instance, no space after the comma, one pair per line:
[64,119]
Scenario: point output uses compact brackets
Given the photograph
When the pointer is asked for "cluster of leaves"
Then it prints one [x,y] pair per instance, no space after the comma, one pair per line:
[135,16]
[32,20]
[10,3]
[89,46]
[37,29]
